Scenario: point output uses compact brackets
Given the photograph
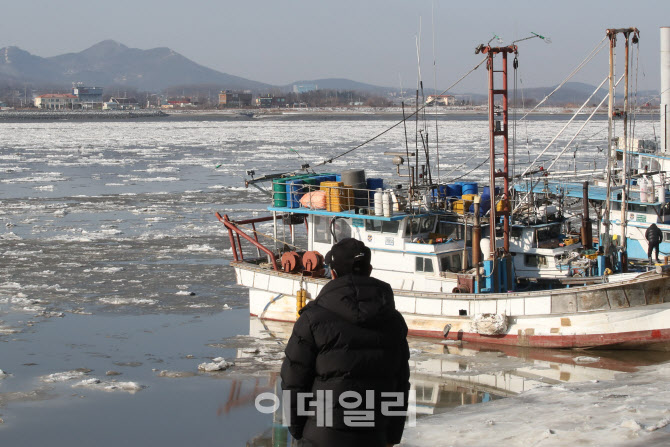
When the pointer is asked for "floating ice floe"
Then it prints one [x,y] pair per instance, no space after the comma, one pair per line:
[185,293]
[586,359]
[21,300]
[200,248]
[155,179]
[165,169]
[63,376]
[10,236]
[218,364]
[176,374]
[126,301]
[97,384]
[3,374]
[105,270]
[226,307]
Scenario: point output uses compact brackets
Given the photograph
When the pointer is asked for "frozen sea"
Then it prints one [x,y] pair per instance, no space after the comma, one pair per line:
[115,287]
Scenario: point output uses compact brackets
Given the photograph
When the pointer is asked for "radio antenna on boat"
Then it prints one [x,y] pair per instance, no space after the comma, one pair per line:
[306,165]
[437,139]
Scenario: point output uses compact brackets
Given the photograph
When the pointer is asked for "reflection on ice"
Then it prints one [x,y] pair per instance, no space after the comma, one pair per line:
[445,376]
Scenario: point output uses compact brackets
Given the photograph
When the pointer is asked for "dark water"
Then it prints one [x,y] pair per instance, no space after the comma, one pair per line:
[112,260]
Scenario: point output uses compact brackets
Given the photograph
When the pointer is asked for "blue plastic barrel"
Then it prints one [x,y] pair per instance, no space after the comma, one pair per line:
[487,191]
[374,183]
[294,191]
[455,190]
[470,188]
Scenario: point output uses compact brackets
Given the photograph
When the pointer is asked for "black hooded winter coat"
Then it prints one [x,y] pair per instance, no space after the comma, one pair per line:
[351,338]
[654,235]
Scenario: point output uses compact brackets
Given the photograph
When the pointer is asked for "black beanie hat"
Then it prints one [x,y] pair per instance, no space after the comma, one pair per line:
[349,256]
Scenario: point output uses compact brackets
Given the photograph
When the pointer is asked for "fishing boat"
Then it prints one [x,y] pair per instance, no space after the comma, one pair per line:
[633,189]
[461,268]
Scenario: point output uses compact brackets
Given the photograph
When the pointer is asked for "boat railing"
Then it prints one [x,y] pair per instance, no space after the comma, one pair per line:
[235,232]
[335,196]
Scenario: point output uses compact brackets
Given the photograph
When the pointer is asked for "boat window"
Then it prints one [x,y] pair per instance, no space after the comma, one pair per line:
[666,236]
[424,265]
[373,225]
[451,230]
[548,233]
[536,261]
[418,225]
[450,263]
[390,227]
[637,208]
[427,224]
[382,225]
[516,232]
[322,229]
[425,393]
[412,226]
[342,229]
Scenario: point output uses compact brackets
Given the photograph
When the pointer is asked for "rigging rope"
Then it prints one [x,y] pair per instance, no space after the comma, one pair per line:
[581,65]
[473,169]
[533,184]
[563,129]
[330,160]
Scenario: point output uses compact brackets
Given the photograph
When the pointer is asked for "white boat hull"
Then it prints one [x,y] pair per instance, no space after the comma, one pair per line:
[634,313]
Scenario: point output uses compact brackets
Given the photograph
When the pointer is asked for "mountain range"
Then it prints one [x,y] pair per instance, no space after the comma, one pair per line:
[110,63]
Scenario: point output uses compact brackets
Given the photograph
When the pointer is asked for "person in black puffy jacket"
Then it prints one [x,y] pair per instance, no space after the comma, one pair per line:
[654,236]
[346,369]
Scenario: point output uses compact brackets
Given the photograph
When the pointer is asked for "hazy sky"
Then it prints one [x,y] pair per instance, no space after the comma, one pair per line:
[372,41]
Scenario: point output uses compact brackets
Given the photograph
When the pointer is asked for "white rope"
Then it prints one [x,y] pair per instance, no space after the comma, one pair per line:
[563,129]
[588,58]
[533,184]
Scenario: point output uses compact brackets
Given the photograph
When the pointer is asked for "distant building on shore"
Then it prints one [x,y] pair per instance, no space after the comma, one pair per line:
[228,98]
[442,100]
[304,88]
[270,101]
[121,104]
[55,101]
[179,102]
[87,97]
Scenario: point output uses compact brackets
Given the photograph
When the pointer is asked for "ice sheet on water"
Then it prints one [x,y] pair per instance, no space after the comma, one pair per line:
[63,376]
[200,248]
[118,301]
[10,236]
[633,406]
[105,269]
[154,179]
[110,386]
[218,364]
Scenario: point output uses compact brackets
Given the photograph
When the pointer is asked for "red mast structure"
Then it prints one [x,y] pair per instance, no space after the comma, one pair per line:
[499,131]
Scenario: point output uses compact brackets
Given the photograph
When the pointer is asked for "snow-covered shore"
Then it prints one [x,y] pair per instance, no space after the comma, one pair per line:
[633,410]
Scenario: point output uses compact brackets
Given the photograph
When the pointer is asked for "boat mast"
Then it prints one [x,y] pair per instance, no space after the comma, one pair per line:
[495,131]
[626,185]
[611,34]
[610,162]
